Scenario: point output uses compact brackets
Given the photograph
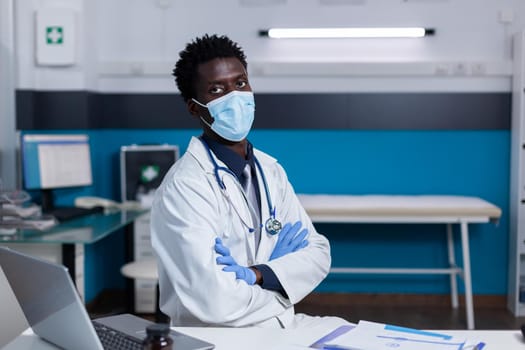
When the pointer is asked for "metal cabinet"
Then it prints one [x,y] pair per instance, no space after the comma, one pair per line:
[142,169]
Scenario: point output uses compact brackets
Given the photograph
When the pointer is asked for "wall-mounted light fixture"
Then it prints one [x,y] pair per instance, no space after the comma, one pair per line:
[303,33]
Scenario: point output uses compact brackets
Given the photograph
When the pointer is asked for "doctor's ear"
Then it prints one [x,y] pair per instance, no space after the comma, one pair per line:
[193,108]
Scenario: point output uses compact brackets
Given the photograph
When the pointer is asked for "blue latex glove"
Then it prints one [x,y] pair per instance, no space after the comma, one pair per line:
[289,240]
[241,273]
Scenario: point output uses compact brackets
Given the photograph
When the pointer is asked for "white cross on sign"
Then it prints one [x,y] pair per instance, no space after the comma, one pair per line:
[149,173]
[54,35]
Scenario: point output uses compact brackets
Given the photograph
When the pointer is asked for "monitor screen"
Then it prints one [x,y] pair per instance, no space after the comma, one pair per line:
[55,161]
[143,167]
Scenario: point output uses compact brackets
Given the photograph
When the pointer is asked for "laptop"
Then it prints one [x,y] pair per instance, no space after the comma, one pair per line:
[54,311]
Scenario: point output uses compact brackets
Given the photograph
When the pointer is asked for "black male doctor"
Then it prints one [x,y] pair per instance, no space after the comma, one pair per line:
[231,255]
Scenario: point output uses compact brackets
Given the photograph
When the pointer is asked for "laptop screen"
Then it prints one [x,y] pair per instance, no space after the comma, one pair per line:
[49,300]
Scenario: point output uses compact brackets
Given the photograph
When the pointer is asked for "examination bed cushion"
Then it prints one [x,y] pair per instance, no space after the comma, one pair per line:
[398,205]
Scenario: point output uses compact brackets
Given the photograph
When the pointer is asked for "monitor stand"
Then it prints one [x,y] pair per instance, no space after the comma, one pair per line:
[47,200]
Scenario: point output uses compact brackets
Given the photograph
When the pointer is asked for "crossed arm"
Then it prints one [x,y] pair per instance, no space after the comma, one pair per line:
[289,241]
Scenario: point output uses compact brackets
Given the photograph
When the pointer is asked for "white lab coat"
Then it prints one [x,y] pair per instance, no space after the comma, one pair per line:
[189,211]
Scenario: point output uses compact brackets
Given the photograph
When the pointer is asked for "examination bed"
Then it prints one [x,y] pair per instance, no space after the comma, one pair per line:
[416,209]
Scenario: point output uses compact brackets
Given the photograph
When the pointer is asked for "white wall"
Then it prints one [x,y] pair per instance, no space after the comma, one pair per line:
[131,45]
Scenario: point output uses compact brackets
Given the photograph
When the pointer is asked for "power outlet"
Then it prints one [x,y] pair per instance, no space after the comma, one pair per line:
[136,68]
[441,69]
[506,16]
[478,68]
[460,68]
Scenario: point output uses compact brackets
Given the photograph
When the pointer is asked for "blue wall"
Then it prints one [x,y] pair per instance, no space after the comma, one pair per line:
[473,163]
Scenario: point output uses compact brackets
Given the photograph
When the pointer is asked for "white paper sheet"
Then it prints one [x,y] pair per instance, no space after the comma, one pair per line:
[378,336]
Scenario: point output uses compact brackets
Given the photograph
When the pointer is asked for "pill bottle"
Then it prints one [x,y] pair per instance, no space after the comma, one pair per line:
[158,337]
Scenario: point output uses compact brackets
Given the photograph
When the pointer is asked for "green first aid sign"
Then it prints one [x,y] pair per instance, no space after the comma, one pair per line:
[149,173]
[54,35]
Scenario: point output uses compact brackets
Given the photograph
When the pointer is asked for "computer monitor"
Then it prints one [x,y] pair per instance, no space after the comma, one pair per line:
[53,161]
[142,168]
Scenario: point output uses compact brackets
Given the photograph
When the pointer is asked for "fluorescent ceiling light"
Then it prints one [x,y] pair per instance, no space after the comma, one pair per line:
[261,2]
[342,2]
[410,32]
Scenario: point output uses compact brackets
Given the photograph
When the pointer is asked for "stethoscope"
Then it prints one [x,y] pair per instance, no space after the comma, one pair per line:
[272,225]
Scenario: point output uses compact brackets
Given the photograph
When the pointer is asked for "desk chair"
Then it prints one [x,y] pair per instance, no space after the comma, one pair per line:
[146,269]
[141,269]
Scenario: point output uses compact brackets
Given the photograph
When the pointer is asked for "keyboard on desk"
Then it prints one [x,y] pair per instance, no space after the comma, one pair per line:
[68,213]
[112,339]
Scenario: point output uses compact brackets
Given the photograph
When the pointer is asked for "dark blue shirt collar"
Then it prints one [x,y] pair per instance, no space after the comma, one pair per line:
[232,160]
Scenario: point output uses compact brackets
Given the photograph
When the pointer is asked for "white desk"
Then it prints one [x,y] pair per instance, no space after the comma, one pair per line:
[279,339]
[382,209]
[276,339]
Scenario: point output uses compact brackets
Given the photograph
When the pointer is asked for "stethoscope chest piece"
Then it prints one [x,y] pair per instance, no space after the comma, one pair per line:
[273,226]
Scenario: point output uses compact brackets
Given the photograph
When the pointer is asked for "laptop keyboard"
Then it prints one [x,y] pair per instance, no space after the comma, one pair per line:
[112,339]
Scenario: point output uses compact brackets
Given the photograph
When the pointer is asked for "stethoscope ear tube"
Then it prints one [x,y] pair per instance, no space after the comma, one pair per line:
[272,225]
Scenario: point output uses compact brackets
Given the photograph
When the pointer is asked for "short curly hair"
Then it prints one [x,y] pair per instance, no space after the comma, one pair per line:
[201,50]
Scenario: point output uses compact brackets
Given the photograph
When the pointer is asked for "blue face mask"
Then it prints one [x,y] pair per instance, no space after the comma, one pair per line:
[233,114]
